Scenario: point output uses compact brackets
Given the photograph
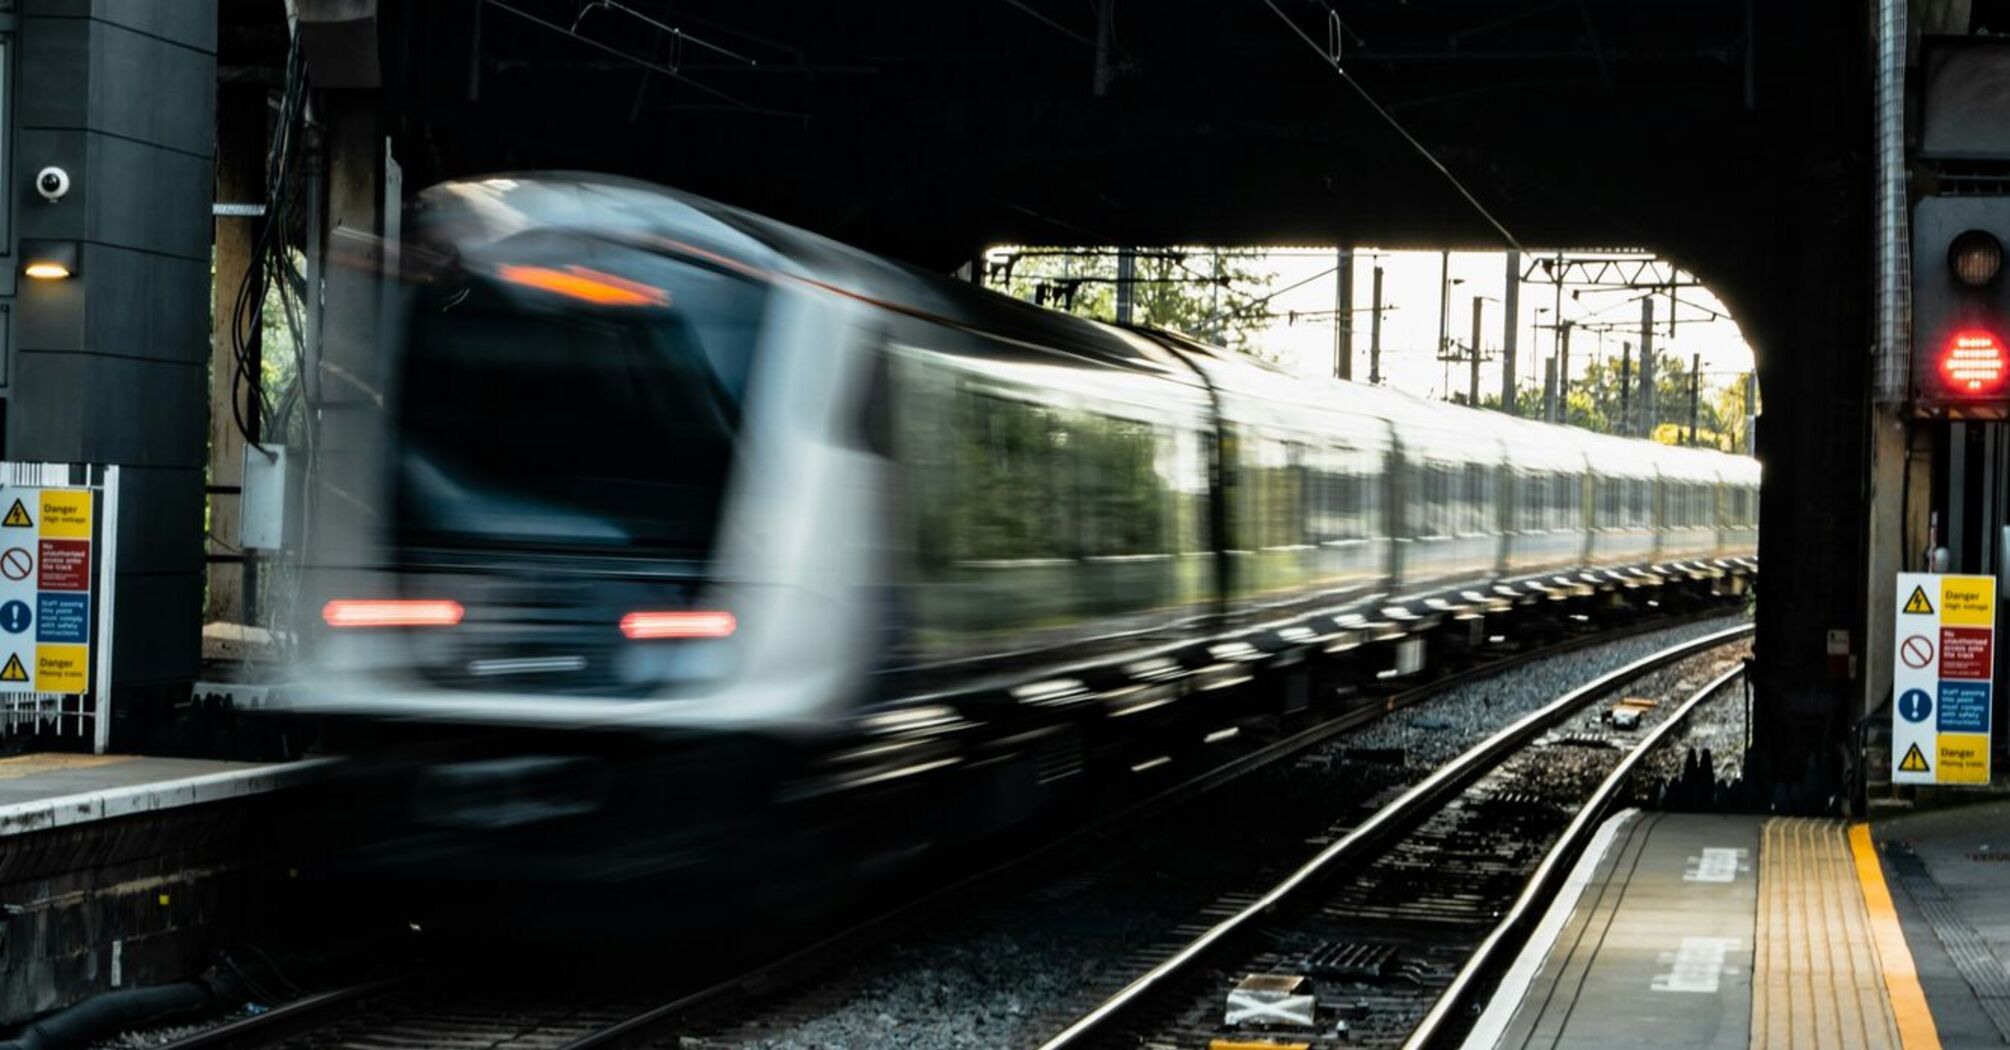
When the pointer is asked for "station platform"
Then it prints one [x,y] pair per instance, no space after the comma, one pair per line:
[1692,930]
[43,791]
[121,870]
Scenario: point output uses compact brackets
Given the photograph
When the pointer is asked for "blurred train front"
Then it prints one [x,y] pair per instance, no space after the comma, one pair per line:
[589,554]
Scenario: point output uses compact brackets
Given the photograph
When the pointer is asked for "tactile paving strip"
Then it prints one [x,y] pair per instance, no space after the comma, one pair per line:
[1817,981]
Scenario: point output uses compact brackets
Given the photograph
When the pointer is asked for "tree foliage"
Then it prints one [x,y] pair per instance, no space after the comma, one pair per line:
[1594,401]
[1206,293]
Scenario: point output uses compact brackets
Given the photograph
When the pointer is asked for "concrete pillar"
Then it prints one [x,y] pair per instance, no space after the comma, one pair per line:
[1648,417]
[1127,286]
[240,178]
[1343,314]
[1510,330]
[110,366]
[357,228]
[1473,386]
[1562,373]
[1375,331]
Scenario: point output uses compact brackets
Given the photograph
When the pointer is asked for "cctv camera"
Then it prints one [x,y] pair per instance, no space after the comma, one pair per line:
[52,183]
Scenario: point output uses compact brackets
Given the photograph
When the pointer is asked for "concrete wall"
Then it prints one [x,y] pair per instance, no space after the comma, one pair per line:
[140,900]
[112,366]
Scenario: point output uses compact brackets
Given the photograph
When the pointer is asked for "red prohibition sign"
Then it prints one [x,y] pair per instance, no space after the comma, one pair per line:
[1916,651]
[16,563]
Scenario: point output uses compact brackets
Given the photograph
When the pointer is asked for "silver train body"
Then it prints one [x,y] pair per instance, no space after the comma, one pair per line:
[643,464]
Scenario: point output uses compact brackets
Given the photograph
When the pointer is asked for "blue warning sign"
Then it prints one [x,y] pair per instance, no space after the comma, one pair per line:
[1964,707]
[63,617]
[15,617]
[1915,705]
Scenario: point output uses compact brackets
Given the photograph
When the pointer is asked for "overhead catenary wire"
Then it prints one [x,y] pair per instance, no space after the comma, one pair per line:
[677,33]
[617,52]
[1332,59]
[1051,23]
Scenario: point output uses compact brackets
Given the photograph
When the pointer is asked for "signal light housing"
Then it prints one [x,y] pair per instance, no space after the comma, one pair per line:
[1960,345]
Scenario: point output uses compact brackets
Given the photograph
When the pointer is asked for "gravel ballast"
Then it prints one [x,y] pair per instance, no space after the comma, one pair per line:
[1009,971]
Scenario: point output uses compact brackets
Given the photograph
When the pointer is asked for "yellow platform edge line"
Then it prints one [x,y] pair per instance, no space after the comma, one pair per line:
[1916,1030]
[19,766]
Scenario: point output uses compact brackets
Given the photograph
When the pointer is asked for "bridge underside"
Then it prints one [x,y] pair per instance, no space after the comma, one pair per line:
[1729,135]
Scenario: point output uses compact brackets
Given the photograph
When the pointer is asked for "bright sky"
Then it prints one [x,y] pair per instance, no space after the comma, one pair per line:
[1411,282]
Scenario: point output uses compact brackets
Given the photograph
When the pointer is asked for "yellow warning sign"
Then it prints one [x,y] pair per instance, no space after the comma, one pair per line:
[1964,758]
[13,672]
[17,517]
[1914,762]
[62,668]
[1968,600]
[66,513]
[1918,604]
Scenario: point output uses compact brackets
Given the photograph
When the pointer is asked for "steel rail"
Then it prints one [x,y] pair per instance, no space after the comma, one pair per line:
[1420,799]
[280,1021]
[1541,885]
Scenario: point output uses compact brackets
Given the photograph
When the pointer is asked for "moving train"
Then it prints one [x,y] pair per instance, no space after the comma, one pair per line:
[657,489]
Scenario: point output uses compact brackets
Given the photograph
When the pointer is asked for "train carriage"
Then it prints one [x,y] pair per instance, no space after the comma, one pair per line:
[649,468]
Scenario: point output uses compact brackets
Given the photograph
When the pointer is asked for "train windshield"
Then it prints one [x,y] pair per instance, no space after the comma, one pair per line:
[575,406]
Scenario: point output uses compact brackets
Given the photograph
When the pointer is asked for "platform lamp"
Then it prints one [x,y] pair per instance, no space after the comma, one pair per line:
[50,260]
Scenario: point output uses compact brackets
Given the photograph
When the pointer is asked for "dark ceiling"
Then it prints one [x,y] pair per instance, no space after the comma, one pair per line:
[928,129]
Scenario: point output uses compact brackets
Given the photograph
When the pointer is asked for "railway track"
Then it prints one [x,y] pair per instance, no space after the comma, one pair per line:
[1395,925]
[732,1011]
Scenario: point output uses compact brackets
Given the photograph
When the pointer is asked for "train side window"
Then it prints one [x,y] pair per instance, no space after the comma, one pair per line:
[1238,488]
[1436,495]
[1478,498]
[1121,496]
[1015,497]
[1293,507]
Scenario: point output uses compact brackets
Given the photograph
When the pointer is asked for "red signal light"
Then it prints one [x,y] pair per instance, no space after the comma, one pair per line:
[1974,364]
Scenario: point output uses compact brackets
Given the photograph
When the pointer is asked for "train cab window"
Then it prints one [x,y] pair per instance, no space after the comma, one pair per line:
[528,416]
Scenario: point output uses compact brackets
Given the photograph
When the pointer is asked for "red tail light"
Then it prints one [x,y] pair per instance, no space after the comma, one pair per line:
[355,612]
[682,623]
[1973,364]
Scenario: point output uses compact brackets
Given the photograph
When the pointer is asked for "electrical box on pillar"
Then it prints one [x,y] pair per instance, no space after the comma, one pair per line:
[1961,308]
